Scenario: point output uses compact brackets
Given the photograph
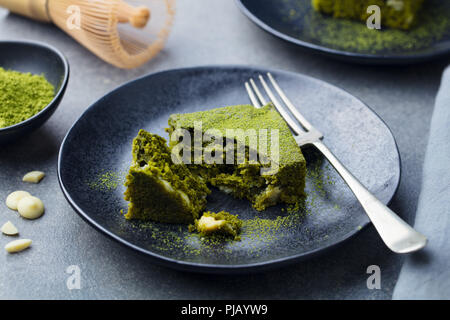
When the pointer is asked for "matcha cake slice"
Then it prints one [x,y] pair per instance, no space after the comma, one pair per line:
[400,14]
[248,180]
[222,223]
[158,189]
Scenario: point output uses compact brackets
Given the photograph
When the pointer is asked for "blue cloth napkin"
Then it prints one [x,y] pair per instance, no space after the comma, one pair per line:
[426,274]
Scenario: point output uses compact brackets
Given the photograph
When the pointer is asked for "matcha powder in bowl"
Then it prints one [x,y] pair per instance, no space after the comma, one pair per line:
[22,95]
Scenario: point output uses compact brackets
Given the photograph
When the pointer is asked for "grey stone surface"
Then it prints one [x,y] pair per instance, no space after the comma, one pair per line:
[205,32]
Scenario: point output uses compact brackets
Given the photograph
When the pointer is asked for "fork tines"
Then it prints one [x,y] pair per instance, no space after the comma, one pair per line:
[258,100]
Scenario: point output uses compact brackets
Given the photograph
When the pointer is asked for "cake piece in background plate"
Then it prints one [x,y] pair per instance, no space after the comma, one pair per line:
[400,14]
[159,189]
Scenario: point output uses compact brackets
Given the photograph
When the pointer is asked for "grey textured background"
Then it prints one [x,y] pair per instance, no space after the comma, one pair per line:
[205,32]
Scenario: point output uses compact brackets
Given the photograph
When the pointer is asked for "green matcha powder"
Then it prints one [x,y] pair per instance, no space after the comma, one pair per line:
[22,95]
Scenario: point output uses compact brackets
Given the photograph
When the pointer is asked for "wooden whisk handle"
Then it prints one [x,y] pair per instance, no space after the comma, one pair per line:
[136,16]
[34,9]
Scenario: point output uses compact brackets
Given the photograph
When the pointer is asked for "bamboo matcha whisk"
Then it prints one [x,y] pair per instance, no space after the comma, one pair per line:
[116,31]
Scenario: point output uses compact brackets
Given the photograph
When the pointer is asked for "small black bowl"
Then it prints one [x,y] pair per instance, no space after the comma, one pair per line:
[36,58]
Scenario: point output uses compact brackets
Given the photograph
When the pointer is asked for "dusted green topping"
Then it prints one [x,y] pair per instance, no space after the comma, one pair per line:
[22,95]
[243,117]
[222,223]
[246,180]
[399,14]
[158,189]
[108,180]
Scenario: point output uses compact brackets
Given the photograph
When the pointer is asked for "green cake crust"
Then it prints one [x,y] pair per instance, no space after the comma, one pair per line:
[218,224]
[158,189]
[400,14]
[246,180]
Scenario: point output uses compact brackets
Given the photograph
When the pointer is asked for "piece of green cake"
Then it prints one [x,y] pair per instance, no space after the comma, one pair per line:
[399,14]
[222,223]
[158,189]
[247,180]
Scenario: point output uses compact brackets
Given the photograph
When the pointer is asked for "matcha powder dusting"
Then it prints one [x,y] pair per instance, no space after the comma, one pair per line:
[22,95]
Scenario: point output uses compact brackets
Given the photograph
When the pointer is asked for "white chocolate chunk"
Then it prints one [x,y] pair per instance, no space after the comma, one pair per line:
[166,185]
[9,229]
[273,193]
[185,197]
[30,207]
[18,245]
[13,198]
[398,5]
[225,189]
[33,176]
[209,224]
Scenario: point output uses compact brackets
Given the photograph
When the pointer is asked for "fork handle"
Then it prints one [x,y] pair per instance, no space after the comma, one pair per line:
[396,233]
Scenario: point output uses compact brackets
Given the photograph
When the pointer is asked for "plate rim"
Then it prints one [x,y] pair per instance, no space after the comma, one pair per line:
[199,267]
[365,58]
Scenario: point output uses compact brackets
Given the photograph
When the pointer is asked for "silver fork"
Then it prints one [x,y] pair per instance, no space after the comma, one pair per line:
[396,233]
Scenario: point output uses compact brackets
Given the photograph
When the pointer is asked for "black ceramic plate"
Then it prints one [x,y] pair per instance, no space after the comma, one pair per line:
[296,21]
[96,154]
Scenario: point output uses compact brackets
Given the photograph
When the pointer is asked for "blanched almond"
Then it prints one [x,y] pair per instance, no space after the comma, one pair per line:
[18,245]
[13,198]
[33,176]
[9,229]
[30,207]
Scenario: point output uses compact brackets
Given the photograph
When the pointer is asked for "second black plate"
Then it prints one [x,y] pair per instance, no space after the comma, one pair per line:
[296,21]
